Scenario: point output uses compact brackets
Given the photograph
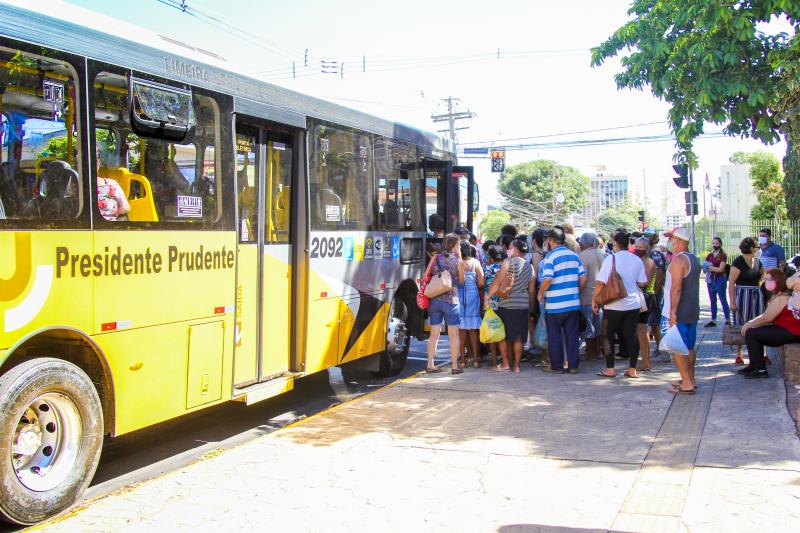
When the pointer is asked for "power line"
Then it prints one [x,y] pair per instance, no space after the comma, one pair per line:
[496,141]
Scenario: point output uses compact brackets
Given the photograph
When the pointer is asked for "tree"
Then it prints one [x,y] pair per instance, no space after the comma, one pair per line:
[712,63]
[767,178]
[791,181]
[492,222]
[531,187]
[623,216]
[56,147]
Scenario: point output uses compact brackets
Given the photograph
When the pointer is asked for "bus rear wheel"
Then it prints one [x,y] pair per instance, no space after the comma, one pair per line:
[394,358]
[51,423]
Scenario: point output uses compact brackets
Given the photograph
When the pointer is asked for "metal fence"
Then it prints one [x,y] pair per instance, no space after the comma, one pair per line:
[785,233]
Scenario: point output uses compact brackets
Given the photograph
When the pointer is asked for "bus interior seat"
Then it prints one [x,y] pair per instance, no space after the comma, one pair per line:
[391,215]
[58,190]
[327,199]
[16,203]
[137,190]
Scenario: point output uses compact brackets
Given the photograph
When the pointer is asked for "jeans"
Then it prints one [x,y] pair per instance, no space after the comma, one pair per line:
[623,323]
[719,287]
[757,338]
[562,333]
[593,322]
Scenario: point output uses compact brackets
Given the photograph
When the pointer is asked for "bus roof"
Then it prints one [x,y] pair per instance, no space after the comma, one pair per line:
[76,30]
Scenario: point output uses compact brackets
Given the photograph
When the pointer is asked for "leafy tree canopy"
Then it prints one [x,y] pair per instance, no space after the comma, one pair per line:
[623,216]
[767,178]
[533,182]
[710,60]
[492,222]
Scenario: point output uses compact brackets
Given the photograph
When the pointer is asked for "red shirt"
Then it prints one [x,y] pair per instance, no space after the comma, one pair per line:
[716,262]
[787,321]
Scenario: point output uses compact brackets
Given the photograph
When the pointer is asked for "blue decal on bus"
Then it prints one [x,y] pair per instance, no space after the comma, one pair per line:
[395,247]
[348,248]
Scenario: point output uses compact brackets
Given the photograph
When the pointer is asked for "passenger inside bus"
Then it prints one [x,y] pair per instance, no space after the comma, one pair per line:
[111,199]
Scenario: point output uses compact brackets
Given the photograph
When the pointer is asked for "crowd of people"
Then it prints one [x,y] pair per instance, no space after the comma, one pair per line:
[611,297]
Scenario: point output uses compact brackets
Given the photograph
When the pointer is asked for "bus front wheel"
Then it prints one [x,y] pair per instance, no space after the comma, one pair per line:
[393,359]
[51,435]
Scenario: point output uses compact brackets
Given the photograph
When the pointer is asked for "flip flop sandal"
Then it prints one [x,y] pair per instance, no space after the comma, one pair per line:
[630,376]
[681,391]
[499,368]
[604,375]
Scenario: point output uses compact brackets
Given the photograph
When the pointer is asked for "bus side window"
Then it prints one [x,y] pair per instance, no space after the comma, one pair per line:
[40,178]
[342,179]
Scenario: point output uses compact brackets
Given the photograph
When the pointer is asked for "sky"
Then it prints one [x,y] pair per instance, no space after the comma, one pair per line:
[400,59]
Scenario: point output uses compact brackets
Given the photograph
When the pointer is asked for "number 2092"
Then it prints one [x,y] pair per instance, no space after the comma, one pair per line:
[326,247]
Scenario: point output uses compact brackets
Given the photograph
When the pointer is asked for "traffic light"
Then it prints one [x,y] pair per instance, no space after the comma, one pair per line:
[498,160]
[689,201]
[682,178]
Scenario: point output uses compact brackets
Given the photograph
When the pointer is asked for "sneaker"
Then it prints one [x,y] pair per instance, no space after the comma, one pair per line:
[757,374]
[572,371]
[711,324]
[744,371]
[550,370]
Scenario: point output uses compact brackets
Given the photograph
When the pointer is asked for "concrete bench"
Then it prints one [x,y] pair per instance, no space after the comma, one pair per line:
[790,358]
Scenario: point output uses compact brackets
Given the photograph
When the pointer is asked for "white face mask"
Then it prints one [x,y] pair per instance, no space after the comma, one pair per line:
[762,240]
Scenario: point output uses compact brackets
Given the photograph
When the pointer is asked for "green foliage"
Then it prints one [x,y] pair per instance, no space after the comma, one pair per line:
[56,147]
[533,182]
[767,178]
[492,222]
[710,62]
[624,216]
[791,181]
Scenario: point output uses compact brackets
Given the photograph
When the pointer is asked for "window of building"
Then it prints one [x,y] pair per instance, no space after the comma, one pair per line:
[40,170]
[148,179]
[341,179]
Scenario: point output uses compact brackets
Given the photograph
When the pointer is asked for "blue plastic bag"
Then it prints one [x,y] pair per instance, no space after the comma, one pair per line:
[540,333]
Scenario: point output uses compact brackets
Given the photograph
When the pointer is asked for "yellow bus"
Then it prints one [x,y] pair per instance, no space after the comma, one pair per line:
[174,234]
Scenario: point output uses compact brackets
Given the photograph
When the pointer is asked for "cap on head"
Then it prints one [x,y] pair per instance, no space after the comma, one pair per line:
[461,230]
[679,233]
[648,231]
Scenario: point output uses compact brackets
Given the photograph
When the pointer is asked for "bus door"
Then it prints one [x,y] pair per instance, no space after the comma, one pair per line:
[264,172]
[464,183]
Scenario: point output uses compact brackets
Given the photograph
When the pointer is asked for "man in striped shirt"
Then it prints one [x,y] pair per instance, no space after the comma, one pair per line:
[563,276]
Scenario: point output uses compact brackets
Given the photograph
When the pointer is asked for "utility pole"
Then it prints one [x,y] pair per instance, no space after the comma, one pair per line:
[453,114]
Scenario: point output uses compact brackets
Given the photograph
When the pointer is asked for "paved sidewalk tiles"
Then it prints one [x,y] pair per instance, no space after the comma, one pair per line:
[487,451]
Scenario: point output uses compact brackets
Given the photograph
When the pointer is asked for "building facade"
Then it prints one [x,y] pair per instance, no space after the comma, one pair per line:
[737,197]
[606,191]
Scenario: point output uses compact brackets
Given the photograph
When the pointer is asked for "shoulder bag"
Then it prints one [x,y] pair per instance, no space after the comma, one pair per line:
[614,289]
[504,291]
[732,333]
[440,282]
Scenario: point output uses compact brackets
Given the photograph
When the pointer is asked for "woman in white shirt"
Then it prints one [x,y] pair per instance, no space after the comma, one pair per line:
[622,314]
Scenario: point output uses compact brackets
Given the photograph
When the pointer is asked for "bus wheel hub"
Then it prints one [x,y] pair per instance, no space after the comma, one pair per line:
[29,439]
[396,337]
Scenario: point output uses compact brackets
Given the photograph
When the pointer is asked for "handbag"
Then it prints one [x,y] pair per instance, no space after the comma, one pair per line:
[614,289]
[423,302]
[732,334]
[440,283]
[504,291]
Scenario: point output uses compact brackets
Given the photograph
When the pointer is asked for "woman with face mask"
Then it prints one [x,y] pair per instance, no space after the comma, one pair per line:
[747,300]
[717,281]
[776,326]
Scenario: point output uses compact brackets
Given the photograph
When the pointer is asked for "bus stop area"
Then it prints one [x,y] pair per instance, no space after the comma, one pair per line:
[489,451]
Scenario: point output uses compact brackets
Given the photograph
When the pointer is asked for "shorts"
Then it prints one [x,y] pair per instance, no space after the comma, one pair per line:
[644,316]
[439,309]
[688,333]
[516,323]
[655,313]
[593,322]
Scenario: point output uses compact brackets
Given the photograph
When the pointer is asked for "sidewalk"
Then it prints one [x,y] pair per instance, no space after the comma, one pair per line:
[487,451]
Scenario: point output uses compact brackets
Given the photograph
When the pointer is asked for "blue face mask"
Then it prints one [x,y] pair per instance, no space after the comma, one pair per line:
[669,245]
